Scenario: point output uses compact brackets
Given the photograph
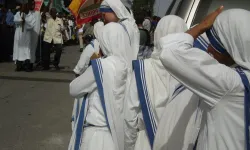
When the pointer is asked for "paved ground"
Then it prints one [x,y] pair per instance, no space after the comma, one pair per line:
[35,108]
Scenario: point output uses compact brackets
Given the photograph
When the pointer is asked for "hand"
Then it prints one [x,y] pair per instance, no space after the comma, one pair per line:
[208,22]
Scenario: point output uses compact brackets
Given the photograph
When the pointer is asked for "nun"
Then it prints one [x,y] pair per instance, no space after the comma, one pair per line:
[92,48]
[151,90]
[115,11]
[220,78]
[103,85]
[92,51]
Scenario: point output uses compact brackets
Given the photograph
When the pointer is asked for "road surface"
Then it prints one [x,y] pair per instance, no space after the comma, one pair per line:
[35,108]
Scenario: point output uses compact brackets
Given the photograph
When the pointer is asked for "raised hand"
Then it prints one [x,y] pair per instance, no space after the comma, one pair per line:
[206,24]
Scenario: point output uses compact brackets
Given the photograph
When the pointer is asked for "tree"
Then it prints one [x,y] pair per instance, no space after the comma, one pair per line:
[143,6]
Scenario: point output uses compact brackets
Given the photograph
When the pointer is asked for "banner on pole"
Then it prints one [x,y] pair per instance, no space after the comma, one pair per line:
[85,10]
[38,5]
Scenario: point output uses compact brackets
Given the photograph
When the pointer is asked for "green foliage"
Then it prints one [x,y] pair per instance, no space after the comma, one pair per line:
[145,6]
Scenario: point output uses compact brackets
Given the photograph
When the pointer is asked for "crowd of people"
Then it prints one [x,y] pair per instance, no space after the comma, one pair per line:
[155,84]
[31,36]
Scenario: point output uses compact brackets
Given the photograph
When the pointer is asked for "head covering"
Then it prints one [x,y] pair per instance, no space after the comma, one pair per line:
[232,29]
[114,42]
[127,21]
[117,72]
[115,6]
[167,25]
[97,29]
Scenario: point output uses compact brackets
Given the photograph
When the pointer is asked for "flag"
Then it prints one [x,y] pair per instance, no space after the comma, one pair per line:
[85,10]
[75,6]
[38,5]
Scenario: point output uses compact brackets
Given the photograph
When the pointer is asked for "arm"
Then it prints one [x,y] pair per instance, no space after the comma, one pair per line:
[83,84]
[84,60]
[17,18]
[197,70]
[132,108]
[30,21]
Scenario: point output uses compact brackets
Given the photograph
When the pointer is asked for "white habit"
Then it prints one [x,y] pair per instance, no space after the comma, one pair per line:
[220,87]
[158,90]
[93,47]
[35,34]
[83,64]
[104,129]
[128,22]
[22,48]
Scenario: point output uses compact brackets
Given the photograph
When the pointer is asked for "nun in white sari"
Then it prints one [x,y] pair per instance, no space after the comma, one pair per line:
[83,64]
[223,89]
[100,122]
[126,19]
[93,47]
[151,90]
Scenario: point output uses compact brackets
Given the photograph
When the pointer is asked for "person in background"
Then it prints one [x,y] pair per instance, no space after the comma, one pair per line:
[53,35]
[147,23]
[10,18]
[80,36]
[25,23]
[92,47]
[10,30]
[92,51]
[89,29]
[35,32]
[144,38]
[70,26]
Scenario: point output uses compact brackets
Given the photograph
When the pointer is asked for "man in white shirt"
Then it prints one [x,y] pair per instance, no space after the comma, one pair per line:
[53,35]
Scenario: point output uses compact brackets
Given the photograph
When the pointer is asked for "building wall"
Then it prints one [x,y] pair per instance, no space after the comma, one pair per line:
[207,6]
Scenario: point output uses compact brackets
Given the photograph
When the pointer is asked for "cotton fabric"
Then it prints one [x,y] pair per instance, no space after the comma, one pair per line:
[220,87]
[160,86]
[22,48]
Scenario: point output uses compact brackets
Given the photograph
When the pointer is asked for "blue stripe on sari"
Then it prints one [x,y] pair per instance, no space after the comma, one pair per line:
[215,41]
[92,44]
[201,43]
[178,90]
[124,27]
[148,116]
[80,124]
[245,81]
[98,72]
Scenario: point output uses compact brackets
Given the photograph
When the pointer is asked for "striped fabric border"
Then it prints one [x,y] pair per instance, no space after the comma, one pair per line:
[98,72]
[201,43]
[146,106]
[245,81]
[124,27]
[215,41]
[178,90]
[80,124]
